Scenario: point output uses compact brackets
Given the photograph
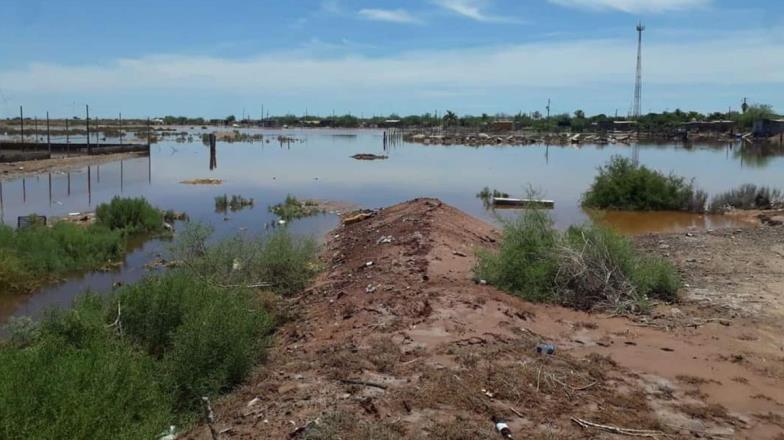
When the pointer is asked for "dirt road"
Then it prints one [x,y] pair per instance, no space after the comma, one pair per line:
[13,170]
[396,341]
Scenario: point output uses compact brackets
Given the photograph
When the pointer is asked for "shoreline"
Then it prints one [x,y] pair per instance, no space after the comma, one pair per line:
[15,170]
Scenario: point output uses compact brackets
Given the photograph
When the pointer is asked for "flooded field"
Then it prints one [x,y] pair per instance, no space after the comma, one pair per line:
[317,164]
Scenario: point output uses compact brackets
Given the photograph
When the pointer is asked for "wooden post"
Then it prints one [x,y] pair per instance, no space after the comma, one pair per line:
[48,137]
[67,138]
[87,111]
[120,128]
[148,132]
[21,122]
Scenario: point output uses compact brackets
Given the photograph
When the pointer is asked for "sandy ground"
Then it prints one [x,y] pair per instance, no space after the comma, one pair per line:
[13,170]
[395,340]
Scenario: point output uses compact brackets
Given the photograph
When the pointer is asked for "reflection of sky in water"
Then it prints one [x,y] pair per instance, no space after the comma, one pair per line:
[321,167]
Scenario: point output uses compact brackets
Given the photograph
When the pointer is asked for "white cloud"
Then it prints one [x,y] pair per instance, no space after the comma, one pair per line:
[635,6]
[389,15]
[472,9]
[588,68]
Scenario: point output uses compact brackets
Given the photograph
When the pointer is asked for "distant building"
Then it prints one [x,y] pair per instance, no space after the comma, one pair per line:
[502,125]
[768,127]
[390,123]
[624,125]
[710,126]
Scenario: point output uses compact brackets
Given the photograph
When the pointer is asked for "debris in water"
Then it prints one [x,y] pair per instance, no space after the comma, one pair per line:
[209,181]
[369,156]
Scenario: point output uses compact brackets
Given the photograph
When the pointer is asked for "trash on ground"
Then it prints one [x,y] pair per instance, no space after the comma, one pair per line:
[545,348]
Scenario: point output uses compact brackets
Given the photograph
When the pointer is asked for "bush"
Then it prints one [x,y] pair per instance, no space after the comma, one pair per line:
[747,196]
[525,264]
[293,208]
[132,215]
[182,322]
[586,267]
[235,203]
[279,261]
[75,382]
[624,185]
[35,255]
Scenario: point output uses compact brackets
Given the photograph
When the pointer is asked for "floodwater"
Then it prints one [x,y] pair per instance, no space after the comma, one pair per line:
[319,166]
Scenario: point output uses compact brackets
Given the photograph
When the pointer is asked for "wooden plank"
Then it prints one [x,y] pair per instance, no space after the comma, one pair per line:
[523,203]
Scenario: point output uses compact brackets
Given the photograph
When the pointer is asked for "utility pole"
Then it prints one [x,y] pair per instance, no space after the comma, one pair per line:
[548,108]
[87,115]
[637,108]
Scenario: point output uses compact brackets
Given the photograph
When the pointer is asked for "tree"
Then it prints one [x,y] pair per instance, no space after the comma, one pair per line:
[579,114]
[450,118]
[755,112]
[231,118]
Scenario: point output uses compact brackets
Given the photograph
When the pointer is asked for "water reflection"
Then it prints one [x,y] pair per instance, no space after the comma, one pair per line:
[317,164]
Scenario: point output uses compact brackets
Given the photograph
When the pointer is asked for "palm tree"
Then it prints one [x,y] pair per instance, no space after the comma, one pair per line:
[450,118]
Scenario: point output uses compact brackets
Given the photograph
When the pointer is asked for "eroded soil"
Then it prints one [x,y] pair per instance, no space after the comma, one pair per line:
[395,340]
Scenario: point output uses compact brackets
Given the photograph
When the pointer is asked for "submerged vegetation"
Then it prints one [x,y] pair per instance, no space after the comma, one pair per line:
[37,254]
[585,267]
[131,215]
[293,208]
[487,195]
[747,196]
[624,185]
[235,203]
[130,365]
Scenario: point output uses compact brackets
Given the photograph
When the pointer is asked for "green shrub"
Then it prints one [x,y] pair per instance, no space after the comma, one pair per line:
[747,196]
[182,322]
[35,255]
[487,195]
[280,261]
[622,184]
[293,208]
[76,382]
[133,215]
[525,263]
[585,267]
[235,203]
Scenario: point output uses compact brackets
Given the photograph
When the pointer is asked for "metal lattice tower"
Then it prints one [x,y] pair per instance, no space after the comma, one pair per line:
[637,107]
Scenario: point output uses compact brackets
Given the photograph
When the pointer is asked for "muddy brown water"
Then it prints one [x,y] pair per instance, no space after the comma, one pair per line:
[319,165]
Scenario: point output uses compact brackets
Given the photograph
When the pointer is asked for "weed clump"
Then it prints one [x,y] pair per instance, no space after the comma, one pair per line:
[293,208]
[34,255]
[235,203]
[281,262]
[131,215]
[747,196]
[623,185]
[487,195]
[586,267]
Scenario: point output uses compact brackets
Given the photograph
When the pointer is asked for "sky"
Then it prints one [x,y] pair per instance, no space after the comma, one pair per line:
[376,57]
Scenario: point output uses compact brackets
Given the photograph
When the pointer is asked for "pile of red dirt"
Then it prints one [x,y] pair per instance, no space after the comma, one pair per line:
[395,340]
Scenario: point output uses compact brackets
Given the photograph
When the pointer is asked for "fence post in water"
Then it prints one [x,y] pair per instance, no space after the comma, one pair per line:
[148,132]
[21,124]
[67,138]
[87,111]
[119,127]
[48,137]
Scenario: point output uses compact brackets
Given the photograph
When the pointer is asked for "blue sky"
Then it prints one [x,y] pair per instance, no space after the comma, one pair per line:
[214,58]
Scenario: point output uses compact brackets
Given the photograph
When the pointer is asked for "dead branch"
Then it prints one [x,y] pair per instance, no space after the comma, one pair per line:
[362,382]
[585,424]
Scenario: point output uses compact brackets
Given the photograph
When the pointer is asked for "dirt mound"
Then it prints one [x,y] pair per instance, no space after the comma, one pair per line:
[396,341]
